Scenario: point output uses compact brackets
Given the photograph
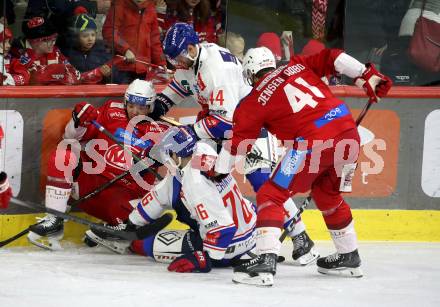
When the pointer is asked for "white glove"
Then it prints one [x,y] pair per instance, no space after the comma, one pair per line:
[9,80]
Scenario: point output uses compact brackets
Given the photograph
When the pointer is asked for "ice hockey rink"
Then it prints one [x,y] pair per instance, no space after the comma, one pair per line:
[395,274]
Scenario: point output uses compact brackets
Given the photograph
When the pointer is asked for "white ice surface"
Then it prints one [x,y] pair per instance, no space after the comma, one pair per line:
[395,274]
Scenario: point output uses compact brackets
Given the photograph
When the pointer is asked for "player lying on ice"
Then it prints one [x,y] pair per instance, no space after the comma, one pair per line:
[294,104]
[100,161]
[221,220]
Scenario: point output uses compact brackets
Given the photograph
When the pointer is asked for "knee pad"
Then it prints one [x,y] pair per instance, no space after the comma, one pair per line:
[270,201]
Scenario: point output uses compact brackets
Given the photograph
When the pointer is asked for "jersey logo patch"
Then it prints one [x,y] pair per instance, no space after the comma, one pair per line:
[115,157]
[211,122]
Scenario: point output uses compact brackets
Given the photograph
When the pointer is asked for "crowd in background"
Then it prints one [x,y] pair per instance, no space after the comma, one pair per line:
[103,41]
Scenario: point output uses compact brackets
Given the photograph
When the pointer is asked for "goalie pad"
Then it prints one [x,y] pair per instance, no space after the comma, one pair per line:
[267,149]
[170,244]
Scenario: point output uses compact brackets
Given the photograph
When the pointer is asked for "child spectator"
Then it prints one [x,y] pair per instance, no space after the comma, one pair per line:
[12,72]
[38,53]
[59,11]
[132,27]
[85,53]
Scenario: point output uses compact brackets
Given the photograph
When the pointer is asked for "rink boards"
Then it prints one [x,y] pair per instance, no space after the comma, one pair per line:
[396,187]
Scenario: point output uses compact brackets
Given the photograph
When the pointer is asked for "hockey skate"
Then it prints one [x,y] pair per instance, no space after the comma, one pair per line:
[115,244]
[47,233]
[304,252]
[341,264]
[258,271]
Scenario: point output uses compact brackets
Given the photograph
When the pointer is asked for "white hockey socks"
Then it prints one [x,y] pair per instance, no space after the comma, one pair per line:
[56,198]
[268,240]
[345,239]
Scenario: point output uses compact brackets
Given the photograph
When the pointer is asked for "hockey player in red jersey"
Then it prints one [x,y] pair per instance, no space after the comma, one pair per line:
[5,189]
[294,104]
[101,161]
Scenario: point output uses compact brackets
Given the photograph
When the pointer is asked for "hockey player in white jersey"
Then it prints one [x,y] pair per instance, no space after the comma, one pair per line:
[221,220]
[213,77]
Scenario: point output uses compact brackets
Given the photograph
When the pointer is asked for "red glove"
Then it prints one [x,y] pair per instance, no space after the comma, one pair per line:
[5,191]
[202,114]
[83,114]
[196,262]
[93,76]
[375,84]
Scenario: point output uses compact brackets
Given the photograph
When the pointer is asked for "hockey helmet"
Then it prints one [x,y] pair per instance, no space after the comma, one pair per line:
[177,39]
[257,59]
[140,92]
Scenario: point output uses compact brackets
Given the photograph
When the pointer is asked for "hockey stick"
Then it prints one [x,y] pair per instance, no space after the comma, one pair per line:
[307,201]
[170,121]
[140,234]
[135,157]
[73,204]
[150,64]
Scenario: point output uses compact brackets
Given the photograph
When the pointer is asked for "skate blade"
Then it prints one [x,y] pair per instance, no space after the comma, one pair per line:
[306,259]
[344,272]
[261,280]
[118,247]
[49,243]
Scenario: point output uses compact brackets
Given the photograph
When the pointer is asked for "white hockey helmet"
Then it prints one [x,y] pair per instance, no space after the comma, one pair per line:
[140,92]
[255,60]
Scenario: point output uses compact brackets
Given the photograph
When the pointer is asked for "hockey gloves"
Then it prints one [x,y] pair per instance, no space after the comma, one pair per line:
[83,113]
[375,84]
[196,262]
[5,191]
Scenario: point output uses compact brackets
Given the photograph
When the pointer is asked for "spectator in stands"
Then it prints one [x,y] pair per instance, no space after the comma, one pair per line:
[132,28]
[271,41]
[41,57]
[204,17]
[395,61]
[234,42]
[59,11]
[88,55]
[12,72]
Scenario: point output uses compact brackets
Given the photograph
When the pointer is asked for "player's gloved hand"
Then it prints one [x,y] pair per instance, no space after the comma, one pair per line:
[196,262]
[202,114]
[83,113]
[375,84]
[5,191]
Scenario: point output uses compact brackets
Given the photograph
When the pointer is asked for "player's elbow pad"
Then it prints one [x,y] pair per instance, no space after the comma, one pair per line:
[161,106]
